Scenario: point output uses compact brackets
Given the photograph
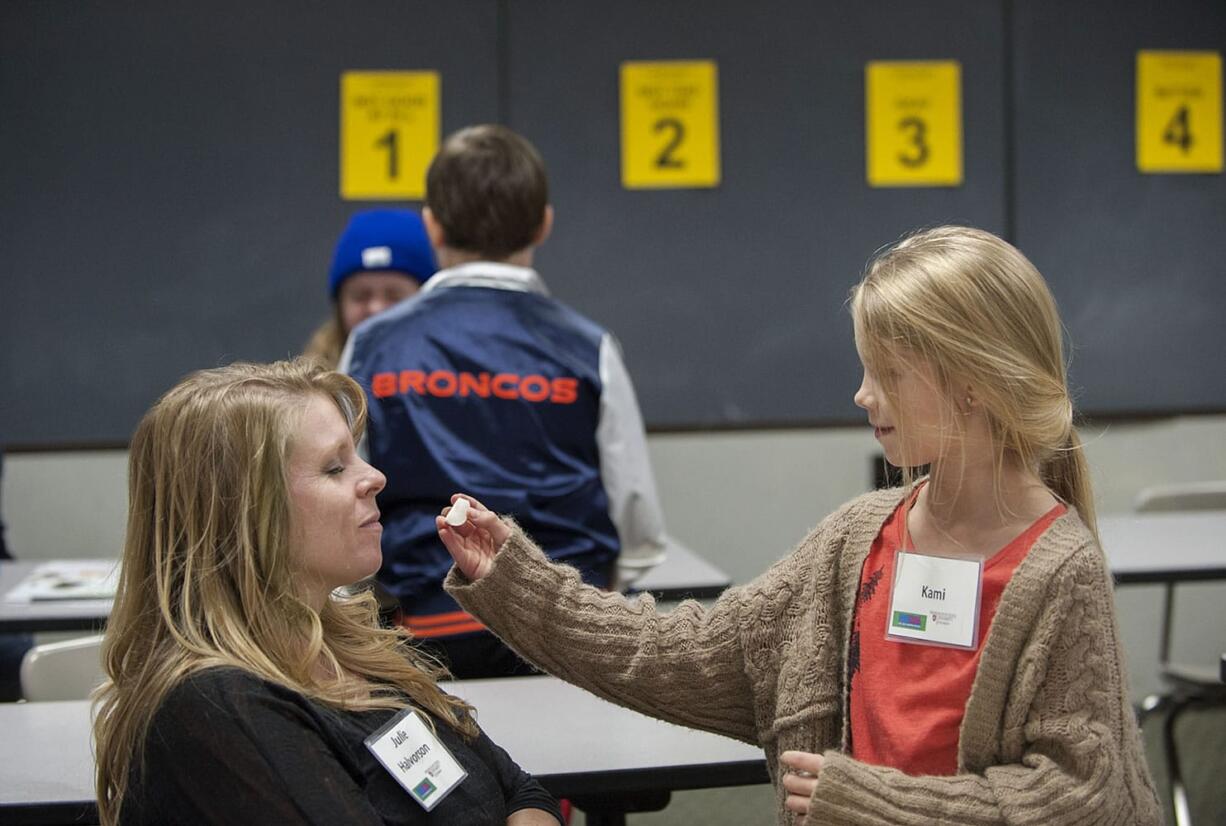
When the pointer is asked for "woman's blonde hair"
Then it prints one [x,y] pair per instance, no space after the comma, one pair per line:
[206,571]
[972,307]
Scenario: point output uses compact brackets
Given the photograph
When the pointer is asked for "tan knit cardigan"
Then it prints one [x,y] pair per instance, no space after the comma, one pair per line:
[1048,736]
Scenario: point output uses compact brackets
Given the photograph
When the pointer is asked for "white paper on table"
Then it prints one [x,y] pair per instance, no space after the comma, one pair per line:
[68,579]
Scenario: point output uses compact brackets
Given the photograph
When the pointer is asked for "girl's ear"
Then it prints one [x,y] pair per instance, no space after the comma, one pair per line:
[966,400]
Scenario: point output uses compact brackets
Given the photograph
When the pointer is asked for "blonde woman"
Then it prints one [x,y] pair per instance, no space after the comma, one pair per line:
[244,687]
[943,652]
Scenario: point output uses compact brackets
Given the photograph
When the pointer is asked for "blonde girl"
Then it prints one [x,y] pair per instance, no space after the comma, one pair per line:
[241,681]
[941,652]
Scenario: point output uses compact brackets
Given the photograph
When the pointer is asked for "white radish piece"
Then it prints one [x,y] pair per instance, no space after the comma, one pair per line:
[458,514]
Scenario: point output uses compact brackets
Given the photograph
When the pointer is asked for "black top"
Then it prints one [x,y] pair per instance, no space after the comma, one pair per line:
[228,747]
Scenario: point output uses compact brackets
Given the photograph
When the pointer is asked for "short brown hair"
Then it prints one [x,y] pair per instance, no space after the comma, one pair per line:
[488,191]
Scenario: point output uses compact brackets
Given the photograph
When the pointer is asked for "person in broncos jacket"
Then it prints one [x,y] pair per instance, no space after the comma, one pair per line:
[484,383]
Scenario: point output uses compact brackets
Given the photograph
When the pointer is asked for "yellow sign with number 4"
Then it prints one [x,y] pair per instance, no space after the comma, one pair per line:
[389,133]
[913,122]
[670,124]
[1179,111]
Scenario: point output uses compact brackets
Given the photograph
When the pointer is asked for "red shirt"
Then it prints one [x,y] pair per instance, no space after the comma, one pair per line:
[907,701]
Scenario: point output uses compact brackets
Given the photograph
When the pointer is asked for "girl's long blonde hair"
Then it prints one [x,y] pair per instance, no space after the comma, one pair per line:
[206,571]
[975,309]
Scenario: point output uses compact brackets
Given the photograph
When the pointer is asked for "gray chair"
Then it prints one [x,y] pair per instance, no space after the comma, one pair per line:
[67,670]
[1187,686]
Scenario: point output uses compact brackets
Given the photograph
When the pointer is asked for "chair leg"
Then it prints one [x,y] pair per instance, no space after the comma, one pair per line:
[1179,794]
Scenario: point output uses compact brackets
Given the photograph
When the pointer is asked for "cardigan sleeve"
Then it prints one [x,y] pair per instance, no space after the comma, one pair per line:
[686,666]
[1080,749]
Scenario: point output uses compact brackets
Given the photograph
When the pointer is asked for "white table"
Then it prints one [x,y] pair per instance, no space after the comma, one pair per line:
[1171,546]
[576,744]
[682,575]
[1166,548]
[52,615]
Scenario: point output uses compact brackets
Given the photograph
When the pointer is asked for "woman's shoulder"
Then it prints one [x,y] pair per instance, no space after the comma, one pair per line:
[224,688]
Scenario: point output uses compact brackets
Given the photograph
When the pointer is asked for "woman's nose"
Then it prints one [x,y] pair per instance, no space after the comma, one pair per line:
[374,482]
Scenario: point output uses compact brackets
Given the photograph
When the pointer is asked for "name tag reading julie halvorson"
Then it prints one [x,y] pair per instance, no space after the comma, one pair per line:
[412,754]
[935,600]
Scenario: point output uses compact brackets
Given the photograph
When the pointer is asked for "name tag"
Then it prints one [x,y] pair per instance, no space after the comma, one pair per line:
[411,753]
[935,600]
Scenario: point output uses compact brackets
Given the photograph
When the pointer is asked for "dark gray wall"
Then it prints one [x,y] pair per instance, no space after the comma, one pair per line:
[1138,262]
[169,197]
[729,301]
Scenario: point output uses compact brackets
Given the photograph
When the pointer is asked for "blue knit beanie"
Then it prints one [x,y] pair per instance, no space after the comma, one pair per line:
[382,239]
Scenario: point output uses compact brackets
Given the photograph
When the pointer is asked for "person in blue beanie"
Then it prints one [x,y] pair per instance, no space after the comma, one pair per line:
[382,258]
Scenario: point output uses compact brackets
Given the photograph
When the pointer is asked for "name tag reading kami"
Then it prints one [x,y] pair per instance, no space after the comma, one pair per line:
[935,600]
[413,755]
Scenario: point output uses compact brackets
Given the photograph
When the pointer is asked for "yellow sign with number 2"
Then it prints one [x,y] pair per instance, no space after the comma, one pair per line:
[913,122]
[670,124]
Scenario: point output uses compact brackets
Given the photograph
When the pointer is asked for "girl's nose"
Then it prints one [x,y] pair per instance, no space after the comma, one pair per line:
[864,396]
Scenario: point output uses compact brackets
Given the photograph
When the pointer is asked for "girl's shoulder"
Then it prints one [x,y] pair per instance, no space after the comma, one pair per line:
[1067,550]
[865,513]
[855,524]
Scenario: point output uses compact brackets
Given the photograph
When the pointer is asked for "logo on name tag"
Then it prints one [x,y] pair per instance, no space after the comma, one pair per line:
[424,789]
[904,619]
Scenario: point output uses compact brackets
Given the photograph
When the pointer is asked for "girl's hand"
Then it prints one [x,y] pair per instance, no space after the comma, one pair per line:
[472,544]
[801,769]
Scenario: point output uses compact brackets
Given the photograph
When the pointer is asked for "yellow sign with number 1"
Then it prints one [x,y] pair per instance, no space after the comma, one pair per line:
[913,122]
[389,133]
[670,124]
[1179,111]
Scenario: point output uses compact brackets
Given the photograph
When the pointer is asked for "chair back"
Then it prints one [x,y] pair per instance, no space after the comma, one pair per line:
[67,670]
[1186,496]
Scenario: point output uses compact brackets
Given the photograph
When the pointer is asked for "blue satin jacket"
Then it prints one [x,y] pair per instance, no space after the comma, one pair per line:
[483,384]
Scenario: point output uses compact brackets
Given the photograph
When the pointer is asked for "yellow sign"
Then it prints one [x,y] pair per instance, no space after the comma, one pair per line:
[913,122]
[1179,111]
[670,124]
[389,133]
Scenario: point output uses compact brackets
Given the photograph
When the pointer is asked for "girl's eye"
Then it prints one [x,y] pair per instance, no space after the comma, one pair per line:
[336,470]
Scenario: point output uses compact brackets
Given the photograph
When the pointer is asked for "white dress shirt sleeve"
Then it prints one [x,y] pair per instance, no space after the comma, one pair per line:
[625,469]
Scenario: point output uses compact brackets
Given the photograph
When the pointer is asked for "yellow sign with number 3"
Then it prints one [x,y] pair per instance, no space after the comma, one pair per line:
[669,124]
[1179,111]
[389,133]
[913,122]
